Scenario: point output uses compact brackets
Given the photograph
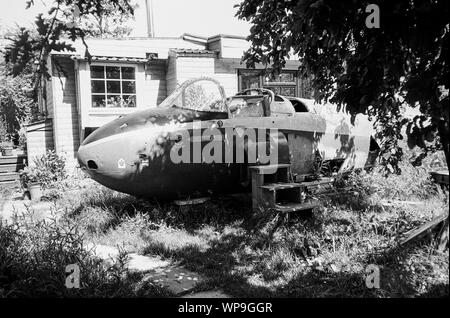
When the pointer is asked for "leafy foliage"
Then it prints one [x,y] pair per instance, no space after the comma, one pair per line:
[3,130]
[30,175]
[47,169]
[52,32]
[373,71]
[34,255]
[17,104]
[110,23]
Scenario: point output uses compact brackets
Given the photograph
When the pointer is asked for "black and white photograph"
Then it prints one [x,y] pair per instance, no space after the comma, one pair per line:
[219,155]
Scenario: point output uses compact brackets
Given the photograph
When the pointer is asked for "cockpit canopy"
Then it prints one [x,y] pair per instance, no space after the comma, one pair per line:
[257,102]
[207,95]
[201,94]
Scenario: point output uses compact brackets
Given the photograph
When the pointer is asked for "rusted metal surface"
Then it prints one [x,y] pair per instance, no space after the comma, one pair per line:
[132,154]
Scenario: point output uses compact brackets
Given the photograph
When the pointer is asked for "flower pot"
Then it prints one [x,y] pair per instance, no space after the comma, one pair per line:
[35,190]
[7,151]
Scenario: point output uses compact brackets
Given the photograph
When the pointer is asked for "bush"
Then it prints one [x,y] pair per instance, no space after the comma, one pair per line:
[22,141]
[30,175]
[362,189]
[3,130]
[17,105]
[48,169]
[34,256]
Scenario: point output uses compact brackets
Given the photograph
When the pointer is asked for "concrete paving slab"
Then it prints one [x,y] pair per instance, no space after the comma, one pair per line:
[141,263]
[136,262]
[175,278]
[208,294]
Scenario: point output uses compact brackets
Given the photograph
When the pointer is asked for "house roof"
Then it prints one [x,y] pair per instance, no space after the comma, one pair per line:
[205,39]
[139,47]
[150,56]
[131,48]
[193,52]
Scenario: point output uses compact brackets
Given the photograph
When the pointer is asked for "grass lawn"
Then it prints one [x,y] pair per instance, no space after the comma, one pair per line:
[323,254]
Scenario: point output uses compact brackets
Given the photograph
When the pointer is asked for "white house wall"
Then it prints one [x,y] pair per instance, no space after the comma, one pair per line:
[233,48]
[155,88]
[39,140]
[190,67]
[134,47]
[65,113]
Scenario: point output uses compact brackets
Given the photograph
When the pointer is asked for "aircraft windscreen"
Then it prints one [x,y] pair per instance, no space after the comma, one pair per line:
[201,95]
[247,106]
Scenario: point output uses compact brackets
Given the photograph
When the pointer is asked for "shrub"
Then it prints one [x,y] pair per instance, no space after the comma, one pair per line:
[30,175]
[22,142]
[361,189]
[48,169]
[3,129]
[34,256]
[52,165]
[5,137]
[17,105]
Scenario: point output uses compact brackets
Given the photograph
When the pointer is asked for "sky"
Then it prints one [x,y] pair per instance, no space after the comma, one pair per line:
[171,17]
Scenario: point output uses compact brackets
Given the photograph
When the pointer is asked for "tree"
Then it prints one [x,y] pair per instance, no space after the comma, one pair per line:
[110,23]
[17,103]
[25,57]
[373,71]
[66,20]
[17,100]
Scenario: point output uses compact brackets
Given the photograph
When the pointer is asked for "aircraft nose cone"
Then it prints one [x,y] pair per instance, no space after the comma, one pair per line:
[86,160]
[81,157]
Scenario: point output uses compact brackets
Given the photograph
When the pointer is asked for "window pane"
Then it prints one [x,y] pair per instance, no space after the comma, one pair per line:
[113,87]
[113,72]
[249,79]
[97,72]
[109,83]
[98,86]
[275,89]
[285,77]
[128,72]
[114,101]
[128,87]
[98,101]
[129,101]
[288,91]
[282,90]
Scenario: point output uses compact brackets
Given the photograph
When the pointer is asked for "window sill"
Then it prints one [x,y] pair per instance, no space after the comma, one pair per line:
[112,111]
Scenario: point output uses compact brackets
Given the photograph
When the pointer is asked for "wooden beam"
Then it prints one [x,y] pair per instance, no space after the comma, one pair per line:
[421,231]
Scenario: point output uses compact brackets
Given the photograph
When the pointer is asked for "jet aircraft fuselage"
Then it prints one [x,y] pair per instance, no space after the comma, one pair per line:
[199,142]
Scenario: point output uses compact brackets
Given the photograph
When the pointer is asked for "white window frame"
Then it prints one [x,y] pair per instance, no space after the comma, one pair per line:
[112,109]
